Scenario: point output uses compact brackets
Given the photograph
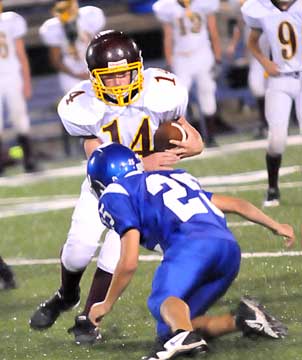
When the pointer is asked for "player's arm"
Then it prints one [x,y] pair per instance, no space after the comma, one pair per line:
[90,145]
[56,60]
[193,145]
[25,68]
[250,212]
[236,36]
[214,36]
[253,44]
[122,276]
[168,43]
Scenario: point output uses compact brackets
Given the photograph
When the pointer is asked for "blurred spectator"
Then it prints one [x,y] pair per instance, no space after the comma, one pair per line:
[192,50]
[141,6]
[15,85]
[67,35]
[7,278]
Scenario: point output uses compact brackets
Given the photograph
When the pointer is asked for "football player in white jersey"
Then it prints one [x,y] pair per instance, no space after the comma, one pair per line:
[122,103]
[281,21]
[15,84]
[67,35]
[191,47]
[257,79]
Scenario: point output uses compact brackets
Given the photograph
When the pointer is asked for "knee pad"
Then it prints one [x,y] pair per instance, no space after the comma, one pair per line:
[75,257]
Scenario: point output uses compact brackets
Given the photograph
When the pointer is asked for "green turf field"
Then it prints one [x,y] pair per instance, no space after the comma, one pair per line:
[128,332]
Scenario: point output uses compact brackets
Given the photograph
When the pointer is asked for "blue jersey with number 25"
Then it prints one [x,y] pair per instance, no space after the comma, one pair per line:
[166,207]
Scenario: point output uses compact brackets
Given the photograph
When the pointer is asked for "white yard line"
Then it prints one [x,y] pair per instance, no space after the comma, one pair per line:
[10,207]
[241,146]
[151,258]
[80,170]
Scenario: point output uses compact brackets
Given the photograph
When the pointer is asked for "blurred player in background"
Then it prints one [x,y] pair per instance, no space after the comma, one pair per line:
[257,79]
[67,36]
[201,257]
[191,48]
[281,22]
[122,103]
[7,277]
[15,84]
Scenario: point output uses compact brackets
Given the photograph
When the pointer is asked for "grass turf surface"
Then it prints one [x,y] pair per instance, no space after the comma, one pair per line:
[128,332]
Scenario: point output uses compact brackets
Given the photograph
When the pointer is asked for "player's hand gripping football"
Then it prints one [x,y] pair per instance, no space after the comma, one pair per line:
[97,312]
[287,232]
[193,145]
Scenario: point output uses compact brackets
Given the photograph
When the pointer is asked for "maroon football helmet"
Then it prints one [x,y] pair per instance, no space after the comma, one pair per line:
[112,52]
[283,5]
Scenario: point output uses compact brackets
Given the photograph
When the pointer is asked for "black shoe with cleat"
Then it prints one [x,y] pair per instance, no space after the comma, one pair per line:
[7,277]
[252,319]
[272,198]
[48,312]
[85,333]
[181,342]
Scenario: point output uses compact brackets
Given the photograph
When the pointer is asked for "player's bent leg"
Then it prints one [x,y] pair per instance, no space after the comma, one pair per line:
[48,312]
[278,105]
[82,242]
[83,330]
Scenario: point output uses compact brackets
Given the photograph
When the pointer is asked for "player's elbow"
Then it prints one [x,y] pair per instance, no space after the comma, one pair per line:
[129,266]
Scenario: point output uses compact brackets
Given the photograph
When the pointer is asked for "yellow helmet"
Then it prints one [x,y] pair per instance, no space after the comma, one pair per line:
[65,10]
[109,53]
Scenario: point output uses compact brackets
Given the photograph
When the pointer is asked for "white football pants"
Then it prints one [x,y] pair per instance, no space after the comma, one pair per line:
[84,235]
[281,92]
[11,94]
[197,66]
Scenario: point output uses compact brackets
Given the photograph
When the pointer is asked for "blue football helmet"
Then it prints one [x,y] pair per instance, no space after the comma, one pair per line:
[108,163]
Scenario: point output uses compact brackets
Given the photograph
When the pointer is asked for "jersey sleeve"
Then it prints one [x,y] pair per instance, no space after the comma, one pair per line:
[208,194]
[19,27]
[76,112]
[95,18]
[209,6]
[117,211]
[50,33]
[251,12]
[165,94]
[162,11]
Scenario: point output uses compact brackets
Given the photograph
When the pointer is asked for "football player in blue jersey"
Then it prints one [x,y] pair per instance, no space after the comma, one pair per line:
[201,257]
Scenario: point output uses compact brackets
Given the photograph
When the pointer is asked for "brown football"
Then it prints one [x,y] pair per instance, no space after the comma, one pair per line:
[169,130]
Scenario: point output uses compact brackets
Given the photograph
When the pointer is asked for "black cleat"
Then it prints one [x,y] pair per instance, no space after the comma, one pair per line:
[7,277]
[48,312]
[181,342]
[85,333]
[252,319]
[272,198]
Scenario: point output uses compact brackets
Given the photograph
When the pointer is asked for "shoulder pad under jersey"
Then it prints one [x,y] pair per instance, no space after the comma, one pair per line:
[51,32]
[254,10]
[163,91]
[207,6]
[80,106]
[18,25]
[93,18]
[164,10]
